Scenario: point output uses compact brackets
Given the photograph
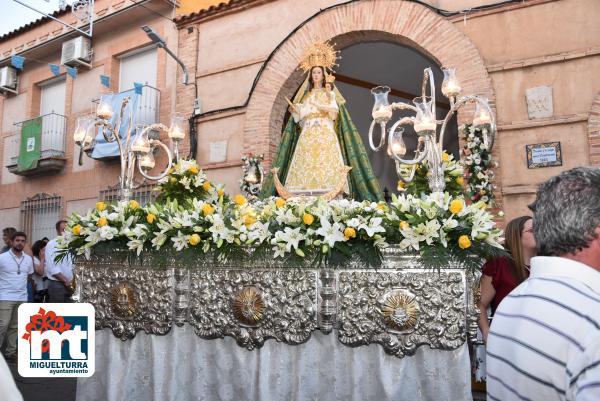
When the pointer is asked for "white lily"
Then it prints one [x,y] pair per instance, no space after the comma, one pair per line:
[159,239]
[259,232]
[291,237]
[218,228]
[286,216]
[279,251]
[374,226]
[106,233]
[331,233]
[180,242]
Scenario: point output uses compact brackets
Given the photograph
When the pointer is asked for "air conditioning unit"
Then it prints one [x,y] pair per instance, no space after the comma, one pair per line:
[77,52]
[8,80]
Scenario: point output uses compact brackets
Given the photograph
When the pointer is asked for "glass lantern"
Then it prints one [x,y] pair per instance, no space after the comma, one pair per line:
[141,144]
[176,130]
[84,131]
[147,161]
[450,85]
[105,110]
[382,111]
[424,120]
[397,146]
[482,113]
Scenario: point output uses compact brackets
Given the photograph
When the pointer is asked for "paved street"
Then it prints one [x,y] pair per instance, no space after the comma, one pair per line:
[44,389]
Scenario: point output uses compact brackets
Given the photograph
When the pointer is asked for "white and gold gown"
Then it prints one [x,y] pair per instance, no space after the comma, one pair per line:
[317,161]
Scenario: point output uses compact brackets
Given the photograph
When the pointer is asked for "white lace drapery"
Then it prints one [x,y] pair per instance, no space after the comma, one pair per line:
[182,366]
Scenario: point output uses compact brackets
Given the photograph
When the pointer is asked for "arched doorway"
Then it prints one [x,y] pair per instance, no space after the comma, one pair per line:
[395,21]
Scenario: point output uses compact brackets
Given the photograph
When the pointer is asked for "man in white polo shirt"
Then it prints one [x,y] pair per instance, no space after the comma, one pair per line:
[15,269]
[544,342]
[60,274]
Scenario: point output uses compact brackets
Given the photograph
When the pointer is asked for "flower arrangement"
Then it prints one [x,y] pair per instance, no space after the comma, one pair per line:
[439,226]
[453,176]
[442,227]
[478,166]
[186,181]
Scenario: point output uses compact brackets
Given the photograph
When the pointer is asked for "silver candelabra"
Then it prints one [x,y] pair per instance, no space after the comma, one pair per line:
[430,144]
[135,147]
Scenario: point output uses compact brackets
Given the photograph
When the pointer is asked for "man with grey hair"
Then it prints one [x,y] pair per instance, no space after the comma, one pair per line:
[544,343]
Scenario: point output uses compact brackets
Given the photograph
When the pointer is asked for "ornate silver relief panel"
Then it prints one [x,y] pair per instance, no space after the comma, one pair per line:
[402,310]
[128,299]
[253,305]
[400,306]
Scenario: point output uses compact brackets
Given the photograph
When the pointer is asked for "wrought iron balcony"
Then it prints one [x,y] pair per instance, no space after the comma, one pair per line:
[52,146]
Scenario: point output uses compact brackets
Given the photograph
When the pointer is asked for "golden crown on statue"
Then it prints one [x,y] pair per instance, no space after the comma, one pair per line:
[319,54]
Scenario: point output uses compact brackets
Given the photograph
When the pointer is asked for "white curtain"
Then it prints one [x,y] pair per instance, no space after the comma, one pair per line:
[181,366]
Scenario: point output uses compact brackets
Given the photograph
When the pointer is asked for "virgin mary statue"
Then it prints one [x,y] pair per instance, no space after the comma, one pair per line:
[320,148]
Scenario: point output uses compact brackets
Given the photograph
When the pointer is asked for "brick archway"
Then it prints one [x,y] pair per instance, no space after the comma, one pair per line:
[398,21]
[594,132]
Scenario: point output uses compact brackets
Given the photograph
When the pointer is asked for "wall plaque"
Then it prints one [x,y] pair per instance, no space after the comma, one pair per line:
[544,155]
[217,152]
[539,102]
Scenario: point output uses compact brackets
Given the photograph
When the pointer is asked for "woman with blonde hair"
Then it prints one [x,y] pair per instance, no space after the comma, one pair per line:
[502,275]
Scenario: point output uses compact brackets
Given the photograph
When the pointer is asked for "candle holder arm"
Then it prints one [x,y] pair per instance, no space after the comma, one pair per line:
[419,157]
[155,142]
[381,138]
[460,102]
[411,175]
[403,106]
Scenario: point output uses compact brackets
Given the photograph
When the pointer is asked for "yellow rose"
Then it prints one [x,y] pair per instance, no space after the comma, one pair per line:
[404,225]
[240,200]
[194,239]
[150,218]
[100,206]
[279,202]
[456,206]
[193,170]
[249,220]
[464,242]
[102,222]
[172,180]
[349,232]
[207,209]
[308,219]
[220,192]
[206,185]
[445,156]
[133,204]
[460,181]
[76,229]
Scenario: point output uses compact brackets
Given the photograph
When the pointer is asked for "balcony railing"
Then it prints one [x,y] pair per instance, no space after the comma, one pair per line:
[52,147]
[148,105]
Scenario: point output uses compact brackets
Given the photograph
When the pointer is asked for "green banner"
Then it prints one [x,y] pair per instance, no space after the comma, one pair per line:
[31,143]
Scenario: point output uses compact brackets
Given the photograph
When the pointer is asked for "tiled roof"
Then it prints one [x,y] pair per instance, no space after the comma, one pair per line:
[213,10]
[34,23]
